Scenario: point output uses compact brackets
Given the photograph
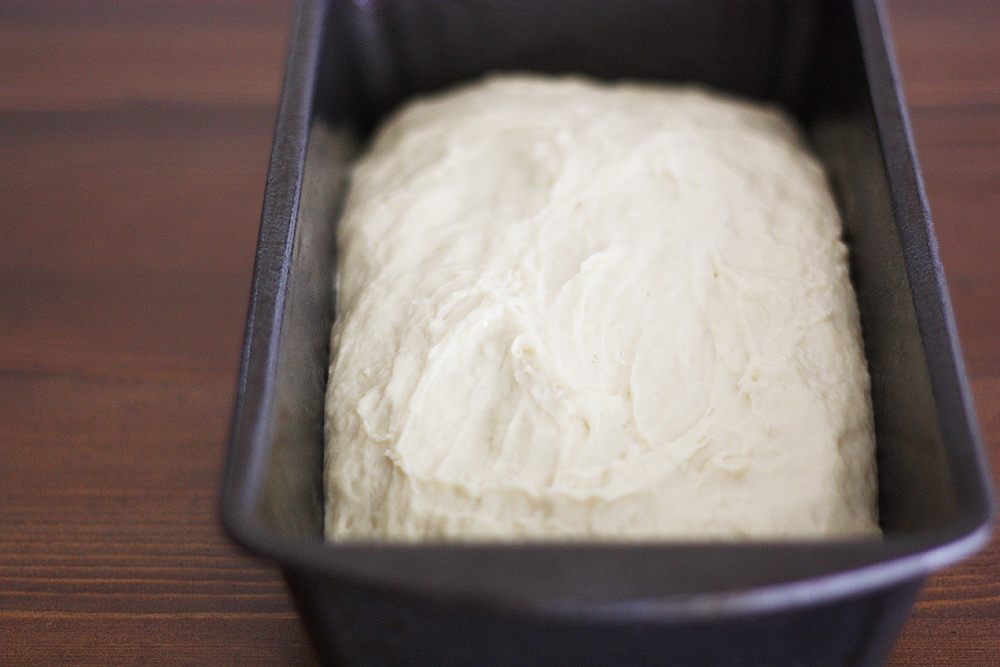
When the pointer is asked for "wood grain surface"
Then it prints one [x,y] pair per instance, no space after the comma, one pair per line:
[134,139]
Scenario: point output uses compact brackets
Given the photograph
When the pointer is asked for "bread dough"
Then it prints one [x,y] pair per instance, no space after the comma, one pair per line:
[577,310]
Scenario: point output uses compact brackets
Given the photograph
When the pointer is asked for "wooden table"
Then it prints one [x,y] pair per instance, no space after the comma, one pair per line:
[134,140]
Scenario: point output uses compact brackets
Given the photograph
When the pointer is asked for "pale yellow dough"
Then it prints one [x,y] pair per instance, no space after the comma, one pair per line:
[570,310]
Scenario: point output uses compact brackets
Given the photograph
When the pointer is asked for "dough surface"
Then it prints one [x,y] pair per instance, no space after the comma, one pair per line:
[571,310]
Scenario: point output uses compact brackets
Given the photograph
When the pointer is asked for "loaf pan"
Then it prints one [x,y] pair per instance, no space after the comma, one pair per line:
[762,603]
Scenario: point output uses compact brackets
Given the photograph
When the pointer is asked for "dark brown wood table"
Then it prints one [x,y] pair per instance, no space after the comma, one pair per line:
[134,139]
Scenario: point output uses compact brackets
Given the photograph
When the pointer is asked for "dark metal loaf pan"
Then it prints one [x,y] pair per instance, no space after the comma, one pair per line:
[794,603]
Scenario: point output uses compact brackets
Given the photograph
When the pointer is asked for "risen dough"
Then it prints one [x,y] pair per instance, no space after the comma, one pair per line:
[574,310]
